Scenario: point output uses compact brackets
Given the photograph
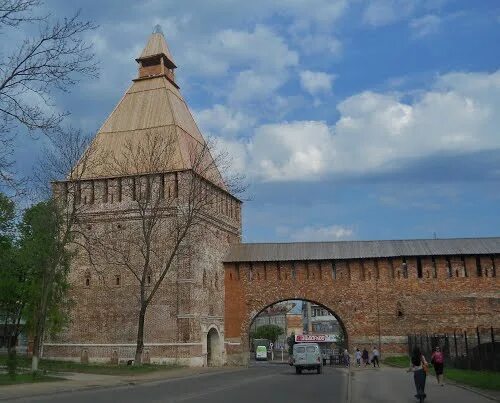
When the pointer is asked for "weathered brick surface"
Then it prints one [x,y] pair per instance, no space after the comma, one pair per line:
[378,303]
[190,301]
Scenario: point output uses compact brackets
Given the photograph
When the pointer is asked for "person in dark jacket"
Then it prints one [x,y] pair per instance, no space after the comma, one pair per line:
[365,356]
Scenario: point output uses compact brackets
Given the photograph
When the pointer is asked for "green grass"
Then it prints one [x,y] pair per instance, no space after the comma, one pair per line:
[401,361]
[479,379]
[6,379]
[102,369]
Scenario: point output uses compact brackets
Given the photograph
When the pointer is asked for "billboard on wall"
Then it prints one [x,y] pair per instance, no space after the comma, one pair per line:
[315,338]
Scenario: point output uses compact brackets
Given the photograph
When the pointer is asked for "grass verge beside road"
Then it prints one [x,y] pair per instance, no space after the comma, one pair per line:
[6,379]
[102,369]
[479,379]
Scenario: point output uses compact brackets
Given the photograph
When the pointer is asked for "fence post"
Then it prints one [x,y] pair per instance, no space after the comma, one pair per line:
[479,347]
[493,349]
[455,340]
[466,349]
[446,348]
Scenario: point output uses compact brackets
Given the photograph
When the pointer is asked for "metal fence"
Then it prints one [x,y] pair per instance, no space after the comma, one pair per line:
[478,349]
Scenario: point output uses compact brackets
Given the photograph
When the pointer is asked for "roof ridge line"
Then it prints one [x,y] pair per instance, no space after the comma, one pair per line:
[136,130]
[366,240]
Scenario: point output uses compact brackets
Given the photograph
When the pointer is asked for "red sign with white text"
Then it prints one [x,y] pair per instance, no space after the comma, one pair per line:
[314,338]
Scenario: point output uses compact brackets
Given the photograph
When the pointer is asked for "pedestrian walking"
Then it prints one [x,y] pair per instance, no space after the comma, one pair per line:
[357,355]
[375,357]
[365,356]
[437,360]
[347,358]
[419,367]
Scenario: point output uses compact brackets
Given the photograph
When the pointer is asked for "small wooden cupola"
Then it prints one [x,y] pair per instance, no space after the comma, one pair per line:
[155,59]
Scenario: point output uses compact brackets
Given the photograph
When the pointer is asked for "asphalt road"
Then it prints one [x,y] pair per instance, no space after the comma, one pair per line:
[259,383]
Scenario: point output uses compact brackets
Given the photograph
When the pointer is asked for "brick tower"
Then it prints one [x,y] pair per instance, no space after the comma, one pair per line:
[185,321]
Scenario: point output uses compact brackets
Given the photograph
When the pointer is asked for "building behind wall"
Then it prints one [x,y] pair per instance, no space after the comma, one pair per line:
[189,305]
[294,320]
[318,320]
[283,315]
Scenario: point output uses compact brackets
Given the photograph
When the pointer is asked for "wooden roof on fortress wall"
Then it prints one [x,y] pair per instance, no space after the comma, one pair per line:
[273,252]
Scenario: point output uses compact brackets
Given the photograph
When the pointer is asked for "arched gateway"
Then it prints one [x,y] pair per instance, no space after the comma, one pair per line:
[380,290]
[214,348]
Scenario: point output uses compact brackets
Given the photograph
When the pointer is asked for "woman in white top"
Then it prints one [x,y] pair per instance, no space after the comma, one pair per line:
[418,365]
[357,355]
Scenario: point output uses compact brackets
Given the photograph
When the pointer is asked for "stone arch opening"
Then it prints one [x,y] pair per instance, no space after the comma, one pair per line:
[214,349]
[317,321]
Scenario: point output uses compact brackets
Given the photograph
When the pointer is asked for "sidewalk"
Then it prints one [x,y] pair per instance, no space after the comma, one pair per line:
[395,385]
[81,381]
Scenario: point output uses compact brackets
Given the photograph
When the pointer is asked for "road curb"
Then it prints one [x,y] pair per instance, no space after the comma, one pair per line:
[474,390]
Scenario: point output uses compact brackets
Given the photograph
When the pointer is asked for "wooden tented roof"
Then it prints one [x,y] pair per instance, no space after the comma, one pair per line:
[152,105]
[157,45]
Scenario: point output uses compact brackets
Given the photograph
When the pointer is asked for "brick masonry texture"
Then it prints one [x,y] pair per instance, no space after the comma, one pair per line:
[375,300]
[190,301]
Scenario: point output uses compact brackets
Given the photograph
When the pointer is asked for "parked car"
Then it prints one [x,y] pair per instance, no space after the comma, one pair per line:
[307,356]
[261,353]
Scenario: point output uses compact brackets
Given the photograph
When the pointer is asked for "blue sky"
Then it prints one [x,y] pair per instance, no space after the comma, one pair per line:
[359,119]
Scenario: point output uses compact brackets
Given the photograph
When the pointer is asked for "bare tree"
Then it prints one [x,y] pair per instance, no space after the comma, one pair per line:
[167,216]
[14,12]
[64,211]
[53,60]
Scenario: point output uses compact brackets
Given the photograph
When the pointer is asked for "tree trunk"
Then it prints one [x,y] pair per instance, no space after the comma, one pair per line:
[140,336]
[11,356]
[36,353]
[38,335]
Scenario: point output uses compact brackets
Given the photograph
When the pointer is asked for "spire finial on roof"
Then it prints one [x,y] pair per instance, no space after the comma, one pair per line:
[157,29]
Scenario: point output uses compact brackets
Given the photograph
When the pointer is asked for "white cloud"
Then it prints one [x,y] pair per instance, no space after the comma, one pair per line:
[318,11]
[255,86]
[317,233]
[222,120]
[319,43]
[316,82]
[228,49]
[383,12]
[377,132]
[427,25]
[233,154]
[291,151]
[323,12]
[255,63]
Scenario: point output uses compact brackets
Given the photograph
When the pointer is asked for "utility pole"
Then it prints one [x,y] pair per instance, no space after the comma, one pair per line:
[378,318]
[309,316]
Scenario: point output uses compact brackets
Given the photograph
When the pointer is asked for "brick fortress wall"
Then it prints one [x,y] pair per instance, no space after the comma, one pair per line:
[375,300]
[190,301]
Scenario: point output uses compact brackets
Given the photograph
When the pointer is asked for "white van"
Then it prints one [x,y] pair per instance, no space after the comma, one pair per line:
[261,353]
[307,356]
